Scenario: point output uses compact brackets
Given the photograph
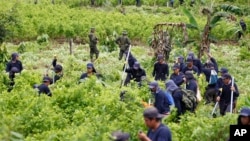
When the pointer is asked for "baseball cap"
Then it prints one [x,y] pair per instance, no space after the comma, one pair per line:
[223,70]
[245,112]
[159,57]
[176,66]
[226,76]
[120,136]
[189,59]
[58,68]
[47,79]
[152,112]
[153,85]
[90,65]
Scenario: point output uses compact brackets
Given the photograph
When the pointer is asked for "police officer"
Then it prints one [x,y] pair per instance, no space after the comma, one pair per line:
[160,71]
[190,67]
[58,69]
[136,73]
[177,76]
[92,44]
[124,43]
[13,66]
[224,96]
[196,61]
[44,87]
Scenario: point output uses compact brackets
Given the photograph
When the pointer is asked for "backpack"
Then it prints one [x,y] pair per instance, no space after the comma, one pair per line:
[169,97]
[213,77]
[189,99]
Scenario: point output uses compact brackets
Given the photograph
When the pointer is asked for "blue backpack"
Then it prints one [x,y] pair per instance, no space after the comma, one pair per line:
[169,97]
[213,77]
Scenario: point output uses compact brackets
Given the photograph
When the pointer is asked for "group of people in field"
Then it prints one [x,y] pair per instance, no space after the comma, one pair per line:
[179,79]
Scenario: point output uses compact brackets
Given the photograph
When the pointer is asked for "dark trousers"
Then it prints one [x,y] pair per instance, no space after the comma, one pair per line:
[210,94]
[121,54]
[94,50]
[225,107]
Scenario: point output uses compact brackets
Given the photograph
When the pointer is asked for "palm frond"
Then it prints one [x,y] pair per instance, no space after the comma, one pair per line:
[232,9]
[192,22]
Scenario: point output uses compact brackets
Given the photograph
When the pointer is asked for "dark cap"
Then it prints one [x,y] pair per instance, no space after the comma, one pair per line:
[245,111]
[136,65]
[120,136]
[159,57]
[223,70]
[47,79]
[191,54]
[90,65]
[176,66]
[226,76]
[152,112]
[189,59]
[14,55]
[58,68]
[153,84]
[210,64]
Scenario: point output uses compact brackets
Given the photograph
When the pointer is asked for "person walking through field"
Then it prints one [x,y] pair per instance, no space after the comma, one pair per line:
[224,95]
[157,130]
[93,44]
[13,66]
[124,43]
[161,70]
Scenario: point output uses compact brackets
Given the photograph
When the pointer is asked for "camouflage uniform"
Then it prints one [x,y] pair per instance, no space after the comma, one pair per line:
[92,44]
[124,43]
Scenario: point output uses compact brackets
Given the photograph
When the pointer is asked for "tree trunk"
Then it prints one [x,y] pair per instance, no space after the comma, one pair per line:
[205,42]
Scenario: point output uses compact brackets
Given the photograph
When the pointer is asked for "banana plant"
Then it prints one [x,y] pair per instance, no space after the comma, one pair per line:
[214,16]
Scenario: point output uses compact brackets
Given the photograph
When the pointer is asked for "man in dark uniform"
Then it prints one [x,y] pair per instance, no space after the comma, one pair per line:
[224,96]
[58,69]
[12,67]
[160,71]
[191,67]
[92,44]
[43,88]
[157,131]
[161,102]
[181,62]
[124,43]
[177,76]
[196,62]
[136,73]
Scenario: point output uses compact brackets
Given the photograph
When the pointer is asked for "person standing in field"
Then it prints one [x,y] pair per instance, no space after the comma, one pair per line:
[161,70]
[157,130]
[44,87]
[177,76]
[13,66]
[124,43]
[92,44]
[224,95]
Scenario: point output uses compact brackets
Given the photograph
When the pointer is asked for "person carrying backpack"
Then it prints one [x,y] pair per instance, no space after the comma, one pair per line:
[161,102]
[210,70]
[183,99]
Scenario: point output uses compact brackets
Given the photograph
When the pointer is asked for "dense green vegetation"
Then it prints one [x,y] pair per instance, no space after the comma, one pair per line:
[92,110]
